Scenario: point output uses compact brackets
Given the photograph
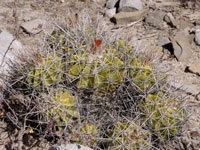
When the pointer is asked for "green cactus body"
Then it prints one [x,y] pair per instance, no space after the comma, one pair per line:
[127,136]
[64,107]
[47,73]
[103,74]
[163,114]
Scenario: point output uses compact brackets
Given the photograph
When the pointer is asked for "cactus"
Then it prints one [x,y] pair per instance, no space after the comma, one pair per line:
[46,73]
[86,133]
[128,136]
[63,109]
[163,115]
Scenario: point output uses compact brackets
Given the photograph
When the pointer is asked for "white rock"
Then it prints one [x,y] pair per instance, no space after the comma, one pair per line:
[197,37]
[111,4]
[6,55]
[34,26]
[110,12]
[181,46]
[128,17]
[129,5]
[163,41]
[69,147]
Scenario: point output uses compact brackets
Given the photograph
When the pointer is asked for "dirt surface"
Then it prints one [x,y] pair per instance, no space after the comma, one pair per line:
[140,34]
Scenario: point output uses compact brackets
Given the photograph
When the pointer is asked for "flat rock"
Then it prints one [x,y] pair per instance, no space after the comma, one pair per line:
[197,37]
[69,147]
[130,5]
[128,17]
[34,26]
[195,68]
[111,3]
[163,41]
[155,19]
[181,46]
[9,48]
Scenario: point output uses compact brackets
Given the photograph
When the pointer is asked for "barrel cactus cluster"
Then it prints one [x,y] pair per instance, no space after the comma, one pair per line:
[96,92]
[129,136]
[163,115]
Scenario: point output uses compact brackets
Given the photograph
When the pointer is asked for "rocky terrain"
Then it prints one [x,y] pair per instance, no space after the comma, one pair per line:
[166,32]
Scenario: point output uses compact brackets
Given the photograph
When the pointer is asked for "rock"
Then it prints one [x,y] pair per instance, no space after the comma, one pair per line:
[181,46]
[191,38]
[169,19]
[183,24]
[128,17]
[110,12]
[111,4]
[155,19]
[130,5]
[180,23]
[69,147]
[163,41]
[195,68]
[15,47]
[197,37]
[34,26]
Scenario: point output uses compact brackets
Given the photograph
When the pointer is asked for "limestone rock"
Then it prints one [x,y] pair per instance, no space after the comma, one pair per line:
[197,37]
[69,147]
[163,41]
[155,19]
[111,4]
[169,18]
[130,5]
[128,17]
[110,12]
[9,48]
[34,26]
[195,68]
[181,46]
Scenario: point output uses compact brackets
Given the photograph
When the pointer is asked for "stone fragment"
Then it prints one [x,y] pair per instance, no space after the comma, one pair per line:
[128,17]
[9,48]
[169,18]
[155,19]
[181,46]
[111,3]
[191,38]
[163,41]
[195,68]
[69,147]
[110,12]
[130,5]
[197,37]
[34,26]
